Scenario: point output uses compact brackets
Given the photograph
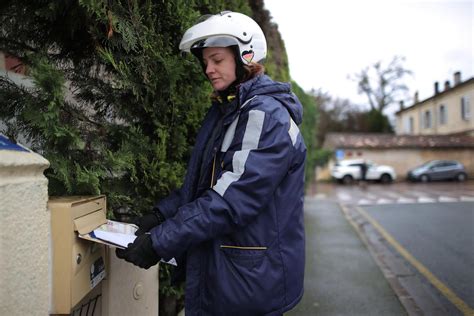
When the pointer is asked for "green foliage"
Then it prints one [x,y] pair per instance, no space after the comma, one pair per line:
[276,64]
[124,122]
[377,122]
[274,70]
[322,156]
[340,115]
[308,130]
[114,107]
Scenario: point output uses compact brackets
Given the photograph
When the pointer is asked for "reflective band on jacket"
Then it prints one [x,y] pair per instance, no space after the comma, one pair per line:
[250,141]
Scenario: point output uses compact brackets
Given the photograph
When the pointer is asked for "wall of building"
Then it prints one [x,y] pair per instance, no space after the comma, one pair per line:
[403,160]
[24,234]
[452,102]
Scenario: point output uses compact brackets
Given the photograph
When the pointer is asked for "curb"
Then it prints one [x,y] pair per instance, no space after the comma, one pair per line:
[407,286]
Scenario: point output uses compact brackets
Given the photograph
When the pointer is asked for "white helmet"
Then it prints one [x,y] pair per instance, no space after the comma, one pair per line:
[227,29]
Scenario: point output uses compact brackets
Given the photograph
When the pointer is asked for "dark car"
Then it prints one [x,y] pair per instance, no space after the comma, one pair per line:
[435,170]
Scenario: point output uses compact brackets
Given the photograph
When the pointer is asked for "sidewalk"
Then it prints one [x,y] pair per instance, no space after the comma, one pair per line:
[341,276]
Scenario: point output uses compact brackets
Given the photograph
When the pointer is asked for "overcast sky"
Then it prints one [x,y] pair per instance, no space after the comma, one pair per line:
[328,40]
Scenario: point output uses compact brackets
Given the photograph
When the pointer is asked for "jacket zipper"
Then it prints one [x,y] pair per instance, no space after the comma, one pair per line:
[213,167]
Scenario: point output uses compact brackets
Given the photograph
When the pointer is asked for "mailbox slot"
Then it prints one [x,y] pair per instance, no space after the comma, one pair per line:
[78,265]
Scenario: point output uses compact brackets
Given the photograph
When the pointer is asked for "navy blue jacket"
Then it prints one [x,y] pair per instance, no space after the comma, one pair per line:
[238,218]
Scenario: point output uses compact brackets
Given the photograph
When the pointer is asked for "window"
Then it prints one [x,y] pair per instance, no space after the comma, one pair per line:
[465,108]
[408,125]
[443,119]
[450,164]
[427,119]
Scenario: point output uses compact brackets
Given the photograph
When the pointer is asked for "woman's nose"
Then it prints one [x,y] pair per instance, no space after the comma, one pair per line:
[209,68]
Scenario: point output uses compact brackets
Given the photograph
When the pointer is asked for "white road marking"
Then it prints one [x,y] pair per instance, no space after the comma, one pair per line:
[384,201]
[392,194]
[343,196]
[467,198]
[425,199]
[406,200]
[447,199]
[365,202]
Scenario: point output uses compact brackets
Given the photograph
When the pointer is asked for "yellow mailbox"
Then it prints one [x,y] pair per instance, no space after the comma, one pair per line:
[78,265]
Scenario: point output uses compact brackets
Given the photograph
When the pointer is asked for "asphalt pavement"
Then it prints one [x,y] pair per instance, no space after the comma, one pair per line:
[341,276]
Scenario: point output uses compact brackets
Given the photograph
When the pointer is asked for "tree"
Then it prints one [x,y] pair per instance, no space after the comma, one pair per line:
[336,115]
[277,67]
[383,85]
[308,130]
[340,115]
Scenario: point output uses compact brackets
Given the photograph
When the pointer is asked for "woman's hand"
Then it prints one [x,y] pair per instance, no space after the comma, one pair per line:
[149,221]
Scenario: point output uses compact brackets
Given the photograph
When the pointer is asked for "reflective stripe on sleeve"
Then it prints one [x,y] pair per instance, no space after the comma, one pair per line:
[250,141]
[293,131]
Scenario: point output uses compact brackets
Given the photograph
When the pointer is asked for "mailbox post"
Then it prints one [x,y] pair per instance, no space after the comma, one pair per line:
[24,231]
[78,265]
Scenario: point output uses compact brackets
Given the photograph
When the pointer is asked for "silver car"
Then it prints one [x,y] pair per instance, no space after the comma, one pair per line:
[435,170]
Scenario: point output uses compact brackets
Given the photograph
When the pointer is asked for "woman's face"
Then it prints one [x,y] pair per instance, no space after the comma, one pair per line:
[220,66]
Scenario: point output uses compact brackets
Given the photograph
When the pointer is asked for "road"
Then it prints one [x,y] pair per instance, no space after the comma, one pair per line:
[395,193]
[423,234]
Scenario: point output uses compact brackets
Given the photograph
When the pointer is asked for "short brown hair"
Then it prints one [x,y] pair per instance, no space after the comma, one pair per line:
[252,70]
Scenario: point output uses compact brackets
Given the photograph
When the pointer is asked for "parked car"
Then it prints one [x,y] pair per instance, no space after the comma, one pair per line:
[346,171]
[436,170]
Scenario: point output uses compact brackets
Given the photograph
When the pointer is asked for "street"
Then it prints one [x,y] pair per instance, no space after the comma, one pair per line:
[395,193]
[420,235]
[440,237]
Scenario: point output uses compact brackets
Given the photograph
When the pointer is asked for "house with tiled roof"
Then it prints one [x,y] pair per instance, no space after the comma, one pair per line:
[440,127]
[448,111]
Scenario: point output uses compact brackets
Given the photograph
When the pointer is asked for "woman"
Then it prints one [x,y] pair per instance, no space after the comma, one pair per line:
[238,218]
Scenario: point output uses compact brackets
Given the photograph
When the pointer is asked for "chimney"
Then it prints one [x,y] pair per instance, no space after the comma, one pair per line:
[416,98]
[436,89]
[402,106]
[457,78]
[446,85]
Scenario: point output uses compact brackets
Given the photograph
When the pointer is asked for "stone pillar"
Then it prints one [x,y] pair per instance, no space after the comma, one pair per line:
[24,232]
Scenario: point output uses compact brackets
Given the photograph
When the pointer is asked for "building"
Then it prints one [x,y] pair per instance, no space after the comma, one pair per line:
[402,152]
[440,127]
[448,111]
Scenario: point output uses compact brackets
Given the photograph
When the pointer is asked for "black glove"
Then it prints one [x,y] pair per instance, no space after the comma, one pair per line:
[140,252]
[148,221]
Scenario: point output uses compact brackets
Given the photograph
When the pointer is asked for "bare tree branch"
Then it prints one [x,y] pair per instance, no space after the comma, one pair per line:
[383,85]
